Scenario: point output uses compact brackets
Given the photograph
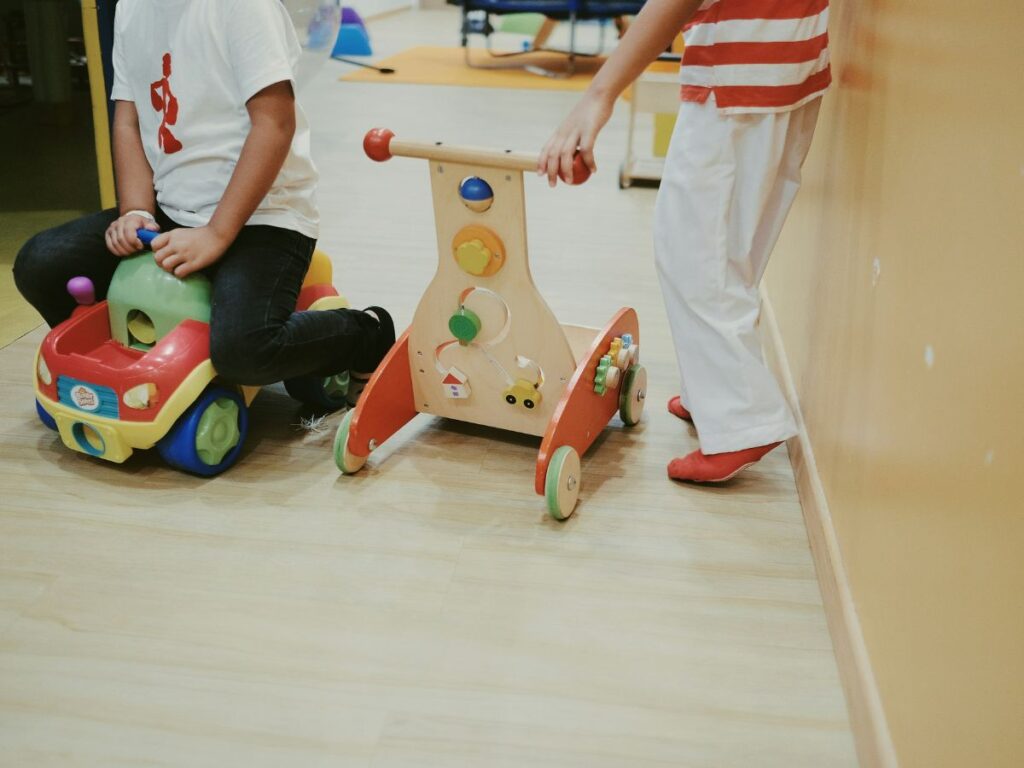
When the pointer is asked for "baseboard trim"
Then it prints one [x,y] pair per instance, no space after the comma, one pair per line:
[871,734]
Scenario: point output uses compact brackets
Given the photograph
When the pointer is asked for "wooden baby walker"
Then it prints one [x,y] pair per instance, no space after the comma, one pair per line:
[483,346]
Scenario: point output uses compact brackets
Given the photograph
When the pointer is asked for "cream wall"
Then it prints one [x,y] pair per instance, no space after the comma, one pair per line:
[898,286]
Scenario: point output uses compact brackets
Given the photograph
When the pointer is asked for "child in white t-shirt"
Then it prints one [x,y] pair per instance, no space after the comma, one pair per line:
[212,150]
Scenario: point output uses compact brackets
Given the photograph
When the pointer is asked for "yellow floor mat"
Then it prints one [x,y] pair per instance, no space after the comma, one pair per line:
[17,317]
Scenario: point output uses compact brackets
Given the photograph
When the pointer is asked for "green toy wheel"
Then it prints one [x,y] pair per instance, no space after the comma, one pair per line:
[217,432]
[347,461]
[633,395]
[324,394]
[562,482]
[207,438]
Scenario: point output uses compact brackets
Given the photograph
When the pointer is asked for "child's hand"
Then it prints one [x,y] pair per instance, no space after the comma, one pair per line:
[184,251]
[578,130]
[121,237]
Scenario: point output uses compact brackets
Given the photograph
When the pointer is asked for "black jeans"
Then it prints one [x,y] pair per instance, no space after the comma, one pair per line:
[256,336]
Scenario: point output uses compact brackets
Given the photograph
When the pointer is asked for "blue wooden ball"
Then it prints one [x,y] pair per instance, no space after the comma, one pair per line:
[476,194]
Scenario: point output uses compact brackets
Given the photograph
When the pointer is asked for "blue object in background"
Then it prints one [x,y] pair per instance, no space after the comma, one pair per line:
[353,39]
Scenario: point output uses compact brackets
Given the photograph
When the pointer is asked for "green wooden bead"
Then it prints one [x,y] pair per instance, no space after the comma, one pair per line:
[464,325]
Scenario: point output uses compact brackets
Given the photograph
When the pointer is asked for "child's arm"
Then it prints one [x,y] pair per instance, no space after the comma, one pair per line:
[272,113]
[653,31]
[134,183]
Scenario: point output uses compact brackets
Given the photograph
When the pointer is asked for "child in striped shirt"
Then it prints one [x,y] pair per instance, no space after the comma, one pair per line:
[751,77]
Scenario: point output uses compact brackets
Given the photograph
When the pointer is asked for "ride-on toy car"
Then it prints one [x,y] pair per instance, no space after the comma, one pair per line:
[134,370]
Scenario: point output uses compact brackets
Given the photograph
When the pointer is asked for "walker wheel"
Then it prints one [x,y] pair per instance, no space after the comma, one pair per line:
[347,461]
[633,395]
[562,484]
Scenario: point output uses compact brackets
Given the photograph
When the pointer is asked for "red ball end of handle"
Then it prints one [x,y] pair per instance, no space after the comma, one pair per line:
[377,144]
[580,170]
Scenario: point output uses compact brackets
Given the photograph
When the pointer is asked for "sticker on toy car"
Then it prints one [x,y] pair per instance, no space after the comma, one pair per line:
[85,397]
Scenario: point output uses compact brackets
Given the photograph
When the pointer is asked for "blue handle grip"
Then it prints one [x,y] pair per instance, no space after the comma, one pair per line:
[146,236]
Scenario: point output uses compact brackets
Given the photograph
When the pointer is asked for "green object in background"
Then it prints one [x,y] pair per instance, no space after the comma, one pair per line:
[528,24]
[146,303]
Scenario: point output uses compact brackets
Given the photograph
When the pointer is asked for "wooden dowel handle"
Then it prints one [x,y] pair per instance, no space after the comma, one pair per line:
[380,144]
[516,161]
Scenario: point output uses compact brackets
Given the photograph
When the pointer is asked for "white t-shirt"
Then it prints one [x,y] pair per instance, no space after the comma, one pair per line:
[190,66]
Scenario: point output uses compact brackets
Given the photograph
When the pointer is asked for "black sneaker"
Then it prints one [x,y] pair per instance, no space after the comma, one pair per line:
[379,342]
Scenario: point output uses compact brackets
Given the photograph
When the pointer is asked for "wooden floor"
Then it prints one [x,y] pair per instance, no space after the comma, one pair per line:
[425,612]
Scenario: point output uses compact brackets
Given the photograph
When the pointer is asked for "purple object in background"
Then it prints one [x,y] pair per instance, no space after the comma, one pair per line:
[82,290]
[351,16]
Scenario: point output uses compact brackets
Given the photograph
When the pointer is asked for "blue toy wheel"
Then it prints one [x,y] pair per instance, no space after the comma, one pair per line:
[207,438]
[322,394]
[46,418]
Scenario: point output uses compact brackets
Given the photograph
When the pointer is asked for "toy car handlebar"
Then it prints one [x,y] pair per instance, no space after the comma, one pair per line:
[380,144]
[146,236]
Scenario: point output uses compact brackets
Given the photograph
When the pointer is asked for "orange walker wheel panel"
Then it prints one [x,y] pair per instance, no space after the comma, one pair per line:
[583,413]
[386,405]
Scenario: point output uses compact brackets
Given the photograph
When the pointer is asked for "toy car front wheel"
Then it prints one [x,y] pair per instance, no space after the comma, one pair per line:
[562,482]
[47,419]
[347,461]
[208,437]
[327,394]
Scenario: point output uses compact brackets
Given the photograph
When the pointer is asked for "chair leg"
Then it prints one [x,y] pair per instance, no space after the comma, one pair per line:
[467,29]
[539,42]
[543,34]
[572,45]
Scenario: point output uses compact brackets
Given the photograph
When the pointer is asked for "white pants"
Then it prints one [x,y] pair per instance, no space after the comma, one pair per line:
[728,184]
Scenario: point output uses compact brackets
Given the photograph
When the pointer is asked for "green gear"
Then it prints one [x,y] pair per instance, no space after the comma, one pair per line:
[217,432]
[601,375]
[337,385]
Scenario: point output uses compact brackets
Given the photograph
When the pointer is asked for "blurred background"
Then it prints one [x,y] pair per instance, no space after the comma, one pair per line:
[46,130]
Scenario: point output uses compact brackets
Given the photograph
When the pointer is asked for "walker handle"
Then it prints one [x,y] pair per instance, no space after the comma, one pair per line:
[380,144]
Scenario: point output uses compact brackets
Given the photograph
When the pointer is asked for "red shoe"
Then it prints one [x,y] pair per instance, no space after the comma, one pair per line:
[675,407]
[716,467]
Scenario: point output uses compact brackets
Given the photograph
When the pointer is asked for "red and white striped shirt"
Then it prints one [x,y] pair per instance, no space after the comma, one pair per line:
[756,55]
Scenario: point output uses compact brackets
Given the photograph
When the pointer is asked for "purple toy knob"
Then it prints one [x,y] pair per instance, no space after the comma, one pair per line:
[82,290]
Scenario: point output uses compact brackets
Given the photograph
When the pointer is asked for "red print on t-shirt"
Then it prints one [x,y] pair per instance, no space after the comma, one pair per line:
[166,102]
